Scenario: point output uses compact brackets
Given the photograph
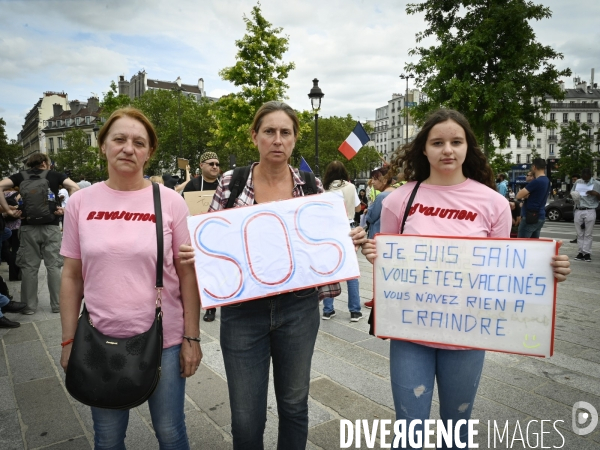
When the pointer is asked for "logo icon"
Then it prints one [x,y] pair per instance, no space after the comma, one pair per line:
[581,417]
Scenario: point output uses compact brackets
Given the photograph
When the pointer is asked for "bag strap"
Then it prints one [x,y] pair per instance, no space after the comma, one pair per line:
[409,205]
[236,184]
[159,240]
[310,183]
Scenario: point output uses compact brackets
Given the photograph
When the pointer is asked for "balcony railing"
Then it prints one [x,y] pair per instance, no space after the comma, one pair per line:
[552,138]
[579,105]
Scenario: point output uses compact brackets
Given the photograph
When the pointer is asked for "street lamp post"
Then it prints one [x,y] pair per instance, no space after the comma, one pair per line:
[410,75]
[179,89]
[315,96]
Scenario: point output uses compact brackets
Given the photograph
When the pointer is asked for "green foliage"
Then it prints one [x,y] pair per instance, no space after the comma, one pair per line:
[575,149]
[332,132]
[10,152]
[260,74]
[487,65]
[163,108]
[500,163]
[79,158]
[113,101]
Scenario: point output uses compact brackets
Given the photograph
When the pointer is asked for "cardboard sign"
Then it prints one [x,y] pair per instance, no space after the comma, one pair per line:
[198,202]
[257,251]
[491,294]
[182,163]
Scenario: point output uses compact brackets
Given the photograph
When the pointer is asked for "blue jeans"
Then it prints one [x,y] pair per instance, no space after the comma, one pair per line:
[353,298]
[4,236]
[4,300]
[282,328]
[413,368]
[166,409]
[530,231]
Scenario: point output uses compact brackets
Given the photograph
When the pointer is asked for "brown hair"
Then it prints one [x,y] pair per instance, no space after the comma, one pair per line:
[412,160]
[386,173]
[135,114]
[271,107]
[335,171]
[37,159]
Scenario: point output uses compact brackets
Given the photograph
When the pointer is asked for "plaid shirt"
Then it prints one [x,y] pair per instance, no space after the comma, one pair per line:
[246,198]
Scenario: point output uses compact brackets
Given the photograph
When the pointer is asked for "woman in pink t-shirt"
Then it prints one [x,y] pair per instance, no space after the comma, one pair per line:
[454,176]
[109,249]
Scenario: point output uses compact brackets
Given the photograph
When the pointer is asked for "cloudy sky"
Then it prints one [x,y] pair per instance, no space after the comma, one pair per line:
[356,48]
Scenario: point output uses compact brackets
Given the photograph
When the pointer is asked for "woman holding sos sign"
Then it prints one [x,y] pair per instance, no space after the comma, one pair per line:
[282,327]
[454,175]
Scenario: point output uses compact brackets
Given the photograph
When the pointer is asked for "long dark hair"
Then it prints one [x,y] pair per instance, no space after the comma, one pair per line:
[335,171]
[411,157]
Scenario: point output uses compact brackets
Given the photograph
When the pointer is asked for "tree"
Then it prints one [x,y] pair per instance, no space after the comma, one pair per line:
[113,101]
[163,108]
[575,149]
[10,152]
[486,65]
[332,132]
[500,163]
[78,158]
[260,73]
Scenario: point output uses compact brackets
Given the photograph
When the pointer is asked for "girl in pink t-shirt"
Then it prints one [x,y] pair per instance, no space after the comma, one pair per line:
[455,177]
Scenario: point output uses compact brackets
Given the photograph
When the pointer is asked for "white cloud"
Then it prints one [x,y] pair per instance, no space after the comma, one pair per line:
[356,48]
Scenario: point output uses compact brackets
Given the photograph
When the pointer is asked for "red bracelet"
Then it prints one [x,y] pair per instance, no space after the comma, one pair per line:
[67,342]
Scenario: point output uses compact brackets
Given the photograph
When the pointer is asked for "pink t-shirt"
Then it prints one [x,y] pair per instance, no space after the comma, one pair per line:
[114,235]
[466,209]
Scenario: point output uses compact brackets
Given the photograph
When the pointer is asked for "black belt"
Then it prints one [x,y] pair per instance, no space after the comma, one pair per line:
[585,209]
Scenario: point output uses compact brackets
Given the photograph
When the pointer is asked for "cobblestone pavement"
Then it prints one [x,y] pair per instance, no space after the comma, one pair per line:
[350,379]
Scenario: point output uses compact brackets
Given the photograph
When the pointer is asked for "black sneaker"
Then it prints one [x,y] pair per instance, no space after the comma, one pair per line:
[579,257]
[329,315]
[587,257]
[574,241]
[355,316]
[5,323]
[13,307]
[209,316]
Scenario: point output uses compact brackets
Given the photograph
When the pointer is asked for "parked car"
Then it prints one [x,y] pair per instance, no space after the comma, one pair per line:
[562,209]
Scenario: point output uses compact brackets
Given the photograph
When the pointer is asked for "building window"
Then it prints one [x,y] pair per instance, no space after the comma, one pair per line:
[553,117]
[565,117]
[539,129]
[87,120]
[528,158]
[508,143]
[589,117]
[51,144]
[539,143]
[528,144]
[577,117]
[68,122]
[89,140]
[551,149]
[518,143]
[518,159]
[60,143]
[77,120]
[59,123]
[552,133]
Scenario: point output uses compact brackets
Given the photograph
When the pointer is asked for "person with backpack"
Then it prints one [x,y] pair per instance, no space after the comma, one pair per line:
[40,235]
[207,181]
[281,328]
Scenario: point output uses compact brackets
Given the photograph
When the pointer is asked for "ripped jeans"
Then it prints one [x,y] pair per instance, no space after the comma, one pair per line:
[413,368]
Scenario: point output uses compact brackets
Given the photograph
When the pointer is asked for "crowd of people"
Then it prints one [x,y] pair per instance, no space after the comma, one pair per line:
[110,265]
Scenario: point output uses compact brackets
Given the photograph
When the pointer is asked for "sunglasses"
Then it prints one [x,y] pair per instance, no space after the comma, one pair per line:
[213,164]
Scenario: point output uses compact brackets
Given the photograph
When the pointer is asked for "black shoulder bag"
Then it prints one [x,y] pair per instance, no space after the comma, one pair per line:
[119,373]
[406,212]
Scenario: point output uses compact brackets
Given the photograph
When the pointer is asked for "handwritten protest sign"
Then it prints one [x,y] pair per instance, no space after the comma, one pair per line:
[267,249]
[493,294]
[198,202]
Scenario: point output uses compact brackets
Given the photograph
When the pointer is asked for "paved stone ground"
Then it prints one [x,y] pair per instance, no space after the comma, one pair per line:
[350,379]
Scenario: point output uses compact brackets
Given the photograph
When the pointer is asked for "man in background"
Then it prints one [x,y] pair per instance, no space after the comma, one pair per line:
[535,195]
[585,213]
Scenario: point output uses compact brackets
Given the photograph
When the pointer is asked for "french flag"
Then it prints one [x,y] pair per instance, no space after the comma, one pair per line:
[354,142]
